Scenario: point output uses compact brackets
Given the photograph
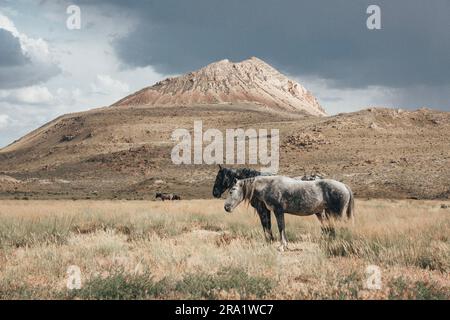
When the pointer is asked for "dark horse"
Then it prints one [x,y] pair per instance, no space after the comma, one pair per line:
[167,196]
[226,178]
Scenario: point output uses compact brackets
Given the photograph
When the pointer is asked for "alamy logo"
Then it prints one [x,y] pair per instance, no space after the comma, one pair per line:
[73,277]
[374,20]
[73,21]
[373,281]
[214,152]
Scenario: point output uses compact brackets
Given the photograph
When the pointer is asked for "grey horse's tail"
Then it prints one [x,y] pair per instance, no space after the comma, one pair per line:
[351,205]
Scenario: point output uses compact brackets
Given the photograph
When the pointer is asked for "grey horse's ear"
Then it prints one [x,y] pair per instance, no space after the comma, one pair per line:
[220,167]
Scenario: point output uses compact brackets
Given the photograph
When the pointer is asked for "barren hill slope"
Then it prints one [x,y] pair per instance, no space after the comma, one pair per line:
[251,80]
[125,152]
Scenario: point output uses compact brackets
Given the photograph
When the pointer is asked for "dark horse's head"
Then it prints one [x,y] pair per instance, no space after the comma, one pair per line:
[226,177]
[224,181]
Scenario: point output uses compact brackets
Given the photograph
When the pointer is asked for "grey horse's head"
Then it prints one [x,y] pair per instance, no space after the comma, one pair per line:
[235,196]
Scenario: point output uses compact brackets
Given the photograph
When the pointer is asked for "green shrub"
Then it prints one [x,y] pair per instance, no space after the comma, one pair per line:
[207,286]
[120,286]
[420,290]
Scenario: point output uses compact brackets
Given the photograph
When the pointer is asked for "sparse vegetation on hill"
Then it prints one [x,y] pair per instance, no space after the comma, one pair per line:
[405,155]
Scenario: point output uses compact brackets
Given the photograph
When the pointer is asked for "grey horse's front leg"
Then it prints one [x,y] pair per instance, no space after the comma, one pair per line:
[279,214]
[264,216]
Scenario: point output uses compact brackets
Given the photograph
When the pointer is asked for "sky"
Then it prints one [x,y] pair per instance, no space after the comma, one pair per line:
[47,69]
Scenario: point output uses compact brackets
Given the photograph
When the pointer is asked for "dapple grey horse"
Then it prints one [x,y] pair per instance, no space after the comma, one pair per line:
[225,179]
[325,198]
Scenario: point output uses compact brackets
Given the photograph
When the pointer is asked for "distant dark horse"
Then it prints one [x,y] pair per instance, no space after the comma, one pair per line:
[324,198]
[225,180]
[167,196]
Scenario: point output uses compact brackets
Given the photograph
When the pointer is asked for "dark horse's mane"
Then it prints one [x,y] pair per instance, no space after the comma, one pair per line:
[226,177]
[244,173]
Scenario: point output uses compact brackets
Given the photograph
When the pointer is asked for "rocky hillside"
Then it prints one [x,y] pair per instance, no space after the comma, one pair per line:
[251,80]
[125,152]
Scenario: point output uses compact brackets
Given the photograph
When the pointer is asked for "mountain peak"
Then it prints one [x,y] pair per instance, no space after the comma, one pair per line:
[249,81]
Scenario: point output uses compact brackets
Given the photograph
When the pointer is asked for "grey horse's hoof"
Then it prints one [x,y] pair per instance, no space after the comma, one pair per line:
[282,248]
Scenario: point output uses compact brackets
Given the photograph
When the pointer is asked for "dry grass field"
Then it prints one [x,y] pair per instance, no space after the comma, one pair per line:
[193,249]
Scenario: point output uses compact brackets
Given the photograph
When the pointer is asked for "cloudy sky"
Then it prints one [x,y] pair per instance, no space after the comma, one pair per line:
[47,69]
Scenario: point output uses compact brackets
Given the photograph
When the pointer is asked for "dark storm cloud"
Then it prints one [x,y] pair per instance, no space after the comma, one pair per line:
[10,52]
[16,69]
[328,39]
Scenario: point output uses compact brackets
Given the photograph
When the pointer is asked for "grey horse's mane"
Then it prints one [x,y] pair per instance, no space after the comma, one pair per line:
[248,187]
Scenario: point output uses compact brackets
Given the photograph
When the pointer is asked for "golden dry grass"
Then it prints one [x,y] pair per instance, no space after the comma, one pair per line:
[193,249]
